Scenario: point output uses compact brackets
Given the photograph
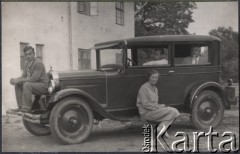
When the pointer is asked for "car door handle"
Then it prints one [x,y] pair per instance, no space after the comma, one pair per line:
[171,71]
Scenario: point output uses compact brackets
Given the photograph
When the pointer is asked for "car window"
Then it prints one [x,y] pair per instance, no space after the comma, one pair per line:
[158,56]
[110,56]
[187,54]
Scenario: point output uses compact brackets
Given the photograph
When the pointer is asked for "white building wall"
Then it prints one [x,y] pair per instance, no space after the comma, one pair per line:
[48,23]
[34,23]
[89,30]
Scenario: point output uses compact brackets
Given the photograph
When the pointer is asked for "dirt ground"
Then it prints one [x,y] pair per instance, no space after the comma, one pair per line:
[109,136]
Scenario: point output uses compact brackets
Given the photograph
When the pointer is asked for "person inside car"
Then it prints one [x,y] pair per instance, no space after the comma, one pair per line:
[196,57]
[149,107]
[159,58]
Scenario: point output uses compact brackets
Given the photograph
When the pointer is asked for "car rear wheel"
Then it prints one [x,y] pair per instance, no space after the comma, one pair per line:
[71,120]
[207,110]
[36,129]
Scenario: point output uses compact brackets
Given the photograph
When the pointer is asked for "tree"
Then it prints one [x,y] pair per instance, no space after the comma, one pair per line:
[159,18]
[229,52]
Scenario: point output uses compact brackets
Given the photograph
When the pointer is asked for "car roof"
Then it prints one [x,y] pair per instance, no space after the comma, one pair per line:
[160,38]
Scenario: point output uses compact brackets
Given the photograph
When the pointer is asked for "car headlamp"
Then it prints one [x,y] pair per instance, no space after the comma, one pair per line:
[54,81]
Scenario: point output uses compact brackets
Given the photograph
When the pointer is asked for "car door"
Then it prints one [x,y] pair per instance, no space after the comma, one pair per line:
[119,95]
[145,58]
[185,72]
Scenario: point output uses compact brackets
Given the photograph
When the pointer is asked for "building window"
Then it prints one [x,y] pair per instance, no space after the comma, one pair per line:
[93,8]
[39,52]
[119,13]
[88,8]
[22,59]
[84,59]
[81,6]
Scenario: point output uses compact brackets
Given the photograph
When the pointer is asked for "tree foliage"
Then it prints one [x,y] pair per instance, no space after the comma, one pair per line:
[229,52]
[159,18]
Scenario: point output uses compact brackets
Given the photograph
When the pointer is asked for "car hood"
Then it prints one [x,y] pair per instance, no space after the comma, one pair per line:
[81,74]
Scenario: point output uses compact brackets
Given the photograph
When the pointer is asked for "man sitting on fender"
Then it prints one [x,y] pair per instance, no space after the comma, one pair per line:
[34,80]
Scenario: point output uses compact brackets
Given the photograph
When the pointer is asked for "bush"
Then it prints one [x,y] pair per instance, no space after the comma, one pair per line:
[229,52]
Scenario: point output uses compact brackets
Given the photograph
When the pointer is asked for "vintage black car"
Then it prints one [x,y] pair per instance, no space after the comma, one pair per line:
[78,98]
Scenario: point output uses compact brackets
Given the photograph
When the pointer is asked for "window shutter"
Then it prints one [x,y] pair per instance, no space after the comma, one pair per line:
[22,59]
[39,51]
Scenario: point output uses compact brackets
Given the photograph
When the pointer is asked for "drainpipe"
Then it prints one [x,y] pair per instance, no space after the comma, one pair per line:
[70,35]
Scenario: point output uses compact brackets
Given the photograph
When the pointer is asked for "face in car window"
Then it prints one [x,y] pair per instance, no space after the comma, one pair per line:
[158,58]
[196,51]
[158,54]
[186,54]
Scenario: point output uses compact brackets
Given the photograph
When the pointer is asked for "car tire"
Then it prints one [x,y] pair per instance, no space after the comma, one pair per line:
[71,120]
[207,110]
[36,129]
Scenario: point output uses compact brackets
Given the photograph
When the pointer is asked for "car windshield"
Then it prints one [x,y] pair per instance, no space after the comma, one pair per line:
[110,58]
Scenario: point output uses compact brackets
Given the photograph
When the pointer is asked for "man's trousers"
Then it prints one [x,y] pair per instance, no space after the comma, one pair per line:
[25,91]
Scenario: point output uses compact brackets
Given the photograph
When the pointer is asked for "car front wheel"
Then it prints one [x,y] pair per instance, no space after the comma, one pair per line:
[71,120]
[207,110]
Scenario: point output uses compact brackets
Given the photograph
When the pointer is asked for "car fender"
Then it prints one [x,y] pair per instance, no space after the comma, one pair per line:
[198,87]
[94,104]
